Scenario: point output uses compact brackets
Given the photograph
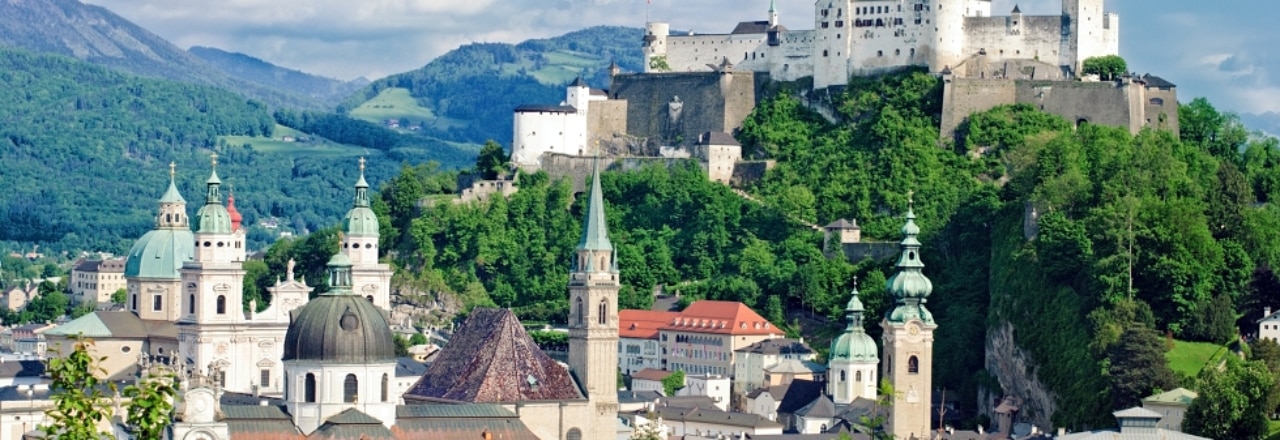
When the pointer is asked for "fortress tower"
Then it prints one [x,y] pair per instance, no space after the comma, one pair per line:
[1093,32]
[832,42]
[593,316]
[655,44]
[908,340]
[948,40]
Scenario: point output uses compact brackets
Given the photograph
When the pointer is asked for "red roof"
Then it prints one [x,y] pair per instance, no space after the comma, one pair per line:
[642,324]
[721,317]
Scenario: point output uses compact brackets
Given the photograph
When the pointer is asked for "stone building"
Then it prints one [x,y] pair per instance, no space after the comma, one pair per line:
[93,281]
[859,37]
[908,341]
[574,127]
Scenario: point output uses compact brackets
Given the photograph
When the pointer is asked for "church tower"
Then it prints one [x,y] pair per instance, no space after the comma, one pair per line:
[852,368]
[593,316]
[908,341]
[151,270]
[369,278]
[212,287]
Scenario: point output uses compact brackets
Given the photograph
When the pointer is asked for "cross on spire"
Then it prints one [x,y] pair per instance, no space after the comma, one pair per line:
[214,157]
[173,170]
[361,164]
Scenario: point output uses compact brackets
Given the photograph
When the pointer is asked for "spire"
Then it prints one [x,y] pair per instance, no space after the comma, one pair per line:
[172,195]
[855,309]
[1016,9]
[212,195]
[362,189]
[773,6]
[236,218]
[909,287]
[595,232]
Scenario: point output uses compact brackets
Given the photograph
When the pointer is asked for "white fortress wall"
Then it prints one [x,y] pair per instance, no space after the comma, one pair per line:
[793,59]
[539,132]
[693,53]
[1032,38]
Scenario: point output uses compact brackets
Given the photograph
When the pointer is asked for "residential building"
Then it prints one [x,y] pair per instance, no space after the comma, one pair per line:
[1172,406]
[748,369]
[649,380]
[709,385]
[638,339]
[1135,423]
[30,339]
[708,423]
[16,298]
[93,281]
[790,370]
[704,338]
[1269,325]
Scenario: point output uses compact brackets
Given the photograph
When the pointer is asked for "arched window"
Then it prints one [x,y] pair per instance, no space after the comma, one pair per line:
[370,298]
[842,378]
[1155,101]
[350,387]
[191,304]
[604,312]
[913,365]
[309,394]
[573,434]
[222,304]
[577,304]
[385,394]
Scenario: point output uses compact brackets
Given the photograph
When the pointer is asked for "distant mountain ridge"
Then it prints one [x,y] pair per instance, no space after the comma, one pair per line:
[248,68]
[97,35]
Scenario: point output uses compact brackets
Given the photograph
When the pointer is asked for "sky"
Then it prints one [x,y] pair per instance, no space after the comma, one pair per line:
[1223,50]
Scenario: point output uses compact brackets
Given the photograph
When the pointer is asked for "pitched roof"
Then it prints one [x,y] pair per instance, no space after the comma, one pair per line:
[12,369]
[351,424]
[406,366]
[722,317]
[777,346]
[796,366]
[492,359]
[102,324]
[1178,395]
[820,407]
[1157,82]
[255,422]
[751,27]
[799,394]
[776,391]
[642,324]
[718,138]
[109,266]
[638,396]
[448,422]
[843,224]
[651,374]
[716,417]
[1136,412]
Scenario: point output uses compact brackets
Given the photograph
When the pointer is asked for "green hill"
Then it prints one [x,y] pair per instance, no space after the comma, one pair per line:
[468,94]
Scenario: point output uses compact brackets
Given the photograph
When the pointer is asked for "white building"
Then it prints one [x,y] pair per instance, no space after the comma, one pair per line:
[755,358]
[1269,325]
[649,380]
[541,129]
[858,37]
[638,339]
[709,385]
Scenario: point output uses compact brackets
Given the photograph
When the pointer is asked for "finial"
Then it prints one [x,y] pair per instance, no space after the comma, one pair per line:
[855,284]
[173,170]
[214,157]
[361,165]
[911,199]
[340,239]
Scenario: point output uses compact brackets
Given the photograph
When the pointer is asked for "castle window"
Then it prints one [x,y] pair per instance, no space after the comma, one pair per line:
[913,365]
[897,52]
[842,375]
[857,376]
[824,53]
[309,388]
[385,394]
[222,304]
[350,387]
[879,53]
[1156,101]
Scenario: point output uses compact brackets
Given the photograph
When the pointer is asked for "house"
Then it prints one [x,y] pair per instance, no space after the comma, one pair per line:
[16,297]
[710,385]
[788,370]
[638,338]
[30,339]
[120,336]
[93,281]
[1269,325]
[748,370]
[1135,424]
[1171,405]
[704,338]
[649,380]
[711,423]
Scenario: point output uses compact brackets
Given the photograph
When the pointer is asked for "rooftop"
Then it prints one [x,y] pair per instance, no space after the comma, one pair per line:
[777,346]
[715,417]
[651,374]
[642,324]
[722,317]
[1178,395]
[123,325]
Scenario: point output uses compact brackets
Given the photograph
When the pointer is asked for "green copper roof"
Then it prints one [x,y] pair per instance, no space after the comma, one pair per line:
[854,344]
[595,228]
[360,220]
[172,195]
[89,325]
[909,287]
[213,218]
[159,254]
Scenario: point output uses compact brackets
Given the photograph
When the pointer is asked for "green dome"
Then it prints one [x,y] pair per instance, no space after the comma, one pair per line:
[339,260]
[213,219]
[159,254]
[855,346]
[360,221]
[909,284]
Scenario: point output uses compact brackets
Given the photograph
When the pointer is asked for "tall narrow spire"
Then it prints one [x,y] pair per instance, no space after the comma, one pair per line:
[362,189]
[855,310]
[595,228]
[212,196]
[909,287]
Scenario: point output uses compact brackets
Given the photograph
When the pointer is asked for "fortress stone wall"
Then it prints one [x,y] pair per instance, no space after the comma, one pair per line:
[674,108]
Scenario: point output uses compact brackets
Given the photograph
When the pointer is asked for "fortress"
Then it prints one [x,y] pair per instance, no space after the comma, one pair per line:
[858,37]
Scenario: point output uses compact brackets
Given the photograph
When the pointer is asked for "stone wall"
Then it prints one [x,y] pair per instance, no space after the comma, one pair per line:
[674,108]
[962,97]
[856,252]
[578,169]
[606,120]
[747,173]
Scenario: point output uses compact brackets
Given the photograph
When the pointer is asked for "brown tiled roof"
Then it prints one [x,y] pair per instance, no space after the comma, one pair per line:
[107,266]
[642,324]
[492,359]
[722,317]
[448,422]
[651,374]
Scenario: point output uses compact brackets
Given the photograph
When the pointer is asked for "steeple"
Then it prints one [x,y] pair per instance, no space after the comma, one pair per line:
[773,13]
[172,195]
[211,194]
[595,228]
[909,287]
[362,189]
[213,218]
[854,310]
[236,218]
[173,208]
[853,358]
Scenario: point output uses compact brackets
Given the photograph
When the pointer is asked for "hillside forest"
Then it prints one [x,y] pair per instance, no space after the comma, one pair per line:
[1100,247]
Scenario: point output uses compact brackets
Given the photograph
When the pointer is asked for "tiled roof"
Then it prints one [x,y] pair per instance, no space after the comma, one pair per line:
[793,366]
[722,317]
[116,325]
[255,422]
[352,424]
[703,402]
[106,266]
[406,367]
[460,422]
[751,27]
[718,138]
[492,359]
[1178,395]
[799,394]
[642,324]
[822,407]
[651,374]
[843,224]
[638,396]
[1136,412]
[1157,82]
[716,417]
[777,346]
[11,369]
[776,391]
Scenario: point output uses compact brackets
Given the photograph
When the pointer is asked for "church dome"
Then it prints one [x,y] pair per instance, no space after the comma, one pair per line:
[339,327]
[213,218]
[360,221]
[235,216]
[159,254]
[855,346]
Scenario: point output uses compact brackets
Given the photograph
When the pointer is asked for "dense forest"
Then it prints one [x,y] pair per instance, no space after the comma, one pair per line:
[1098,246]
[86,151]
[482,83]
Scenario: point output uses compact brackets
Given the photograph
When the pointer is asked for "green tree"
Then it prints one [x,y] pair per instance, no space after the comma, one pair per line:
[1138,367]
[492,161]
[402,345]
[119,296]
[417,339]
[1232,404]
[673,382]
[1107,67]
[256,273]
[79,403]
[1267,351]
[150,408]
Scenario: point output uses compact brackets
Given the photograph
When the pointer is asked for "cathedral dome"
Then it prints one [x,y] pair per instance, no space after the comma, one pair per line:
[339,327]
[159,254]
[855,346]
[360,221]
[213,218]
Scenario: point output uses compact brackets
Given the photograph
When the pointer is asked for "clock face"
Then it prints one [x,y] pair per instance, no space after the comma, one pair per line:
[913,329]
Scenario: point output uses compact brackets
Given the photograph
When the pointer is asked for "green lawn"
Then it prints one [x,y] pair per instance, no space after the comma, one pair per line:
[318,146]
[395,103]
[1188,358]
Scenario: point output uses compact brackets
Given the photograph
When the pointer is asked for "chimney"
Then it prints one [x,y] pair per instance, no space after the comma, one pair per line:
[1266,311]
[1062,432]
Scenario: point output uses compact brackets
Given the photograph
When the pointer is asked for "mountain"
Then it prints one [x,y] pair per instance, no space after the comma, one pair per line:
[250,69]
[1268,122]
[97,35]
[468,94]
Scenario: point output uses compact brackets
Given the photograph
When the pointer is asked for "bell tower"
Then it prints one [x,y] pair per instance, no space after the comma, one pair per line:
[908,340]
[593,316]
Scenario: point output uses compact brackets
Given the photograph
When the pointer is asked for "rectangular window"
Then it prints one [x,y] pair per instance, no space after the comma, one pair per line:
[265,380]
[157,303]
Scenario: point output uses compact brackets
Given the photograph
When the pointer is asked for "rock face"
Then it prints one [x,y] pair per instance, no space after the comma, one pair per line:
[1014,368]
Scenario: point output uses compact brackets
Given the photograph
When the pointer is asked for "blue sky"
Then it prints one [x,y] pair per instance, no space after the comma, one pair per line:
[1224,50]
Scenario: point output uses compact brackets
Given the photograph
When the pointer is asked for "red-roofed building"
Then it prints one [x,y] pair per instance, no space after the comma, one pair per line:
[703,337]
[638,339]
